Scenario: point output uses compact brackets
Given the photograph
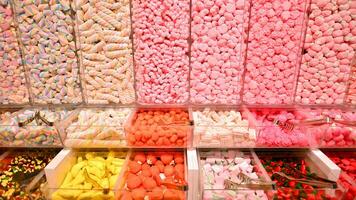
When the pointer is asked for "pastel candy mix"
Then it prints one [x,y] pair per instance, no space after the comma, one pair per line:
[47,35]
[169,128]
[160,35]
[98,128]
[154,175]
[274,135]
[223,127]
[19,168]
[93,176]
[273,51]
[35,133]
[329,48]
[13,88]
[216,57]
[106,50]
[218,166]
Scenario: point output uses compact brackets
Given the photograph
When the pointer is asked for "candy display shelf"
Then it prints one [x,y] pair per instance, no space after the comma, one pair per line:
[177,99]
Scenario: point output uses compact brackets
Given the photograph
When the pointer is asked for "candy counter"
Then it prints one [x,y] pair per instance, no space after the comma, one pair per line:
[177,99]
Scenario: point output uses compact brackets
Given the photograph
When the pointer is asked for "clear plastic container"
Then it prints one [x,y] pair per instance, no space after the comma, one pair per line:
[222,175]
[84,174]
[154,127]
[161,32]
[217,51]
[32,128]
[13,86]
[224,128]
[105,51]
[96,128]
[48,41]
[274,51]
[328,52]
[161,174]
[302,174]
[351,91]
[21,173]
[282,128]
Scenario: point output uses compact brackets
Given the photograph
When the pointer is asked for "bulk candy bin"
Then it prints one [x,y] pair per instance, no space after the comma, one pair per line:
[302,174]
[232,174]
[96,128]
[105,51]
[161,51]
[154,175]
[159,128]
[224,127]
[327,54]
[13,88]
[84,174]
[273,51]
[20,174]
[31,128]
[48,41]
[218,34]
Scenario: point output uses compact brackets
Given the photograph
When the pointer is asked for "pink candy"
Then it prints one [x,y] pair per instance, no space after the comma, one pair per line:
[217,60]
[161,32]
[273,51]
[351,98]
[13,89]
[329,48]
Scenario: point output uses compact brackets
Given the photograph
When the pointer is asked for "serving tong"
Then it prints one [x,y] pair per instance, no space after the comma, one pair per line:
[246,183]
[37,117]
[289,126]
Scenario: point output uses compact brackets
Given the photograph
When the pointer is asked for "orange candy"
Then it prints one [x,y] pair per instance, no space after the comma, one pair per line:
[149,183]
[159,128]
[166,158]
[126,196]
[156,194]
[138,194]
[171,195]
[168,170]
[134,167]
[140,157]
[133,181]
[151,159]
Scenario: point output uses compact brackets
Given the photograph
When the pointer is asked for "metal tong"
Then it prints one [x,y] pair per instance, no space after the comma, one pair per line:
[38,117]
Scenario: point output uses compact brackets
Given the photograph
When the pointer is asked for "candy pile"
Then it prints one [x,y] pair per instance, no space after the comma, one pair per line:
[225,127]
[31,128]
[217,60]
[159,128]
[97,128]
[273,51]
[155,175]
[106,50]
[94,175]
[12,74]
[18,169]
[161,32]
[234,166]
[277,129]
[349,185]
[296,168]
[47,34]
[329,48]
